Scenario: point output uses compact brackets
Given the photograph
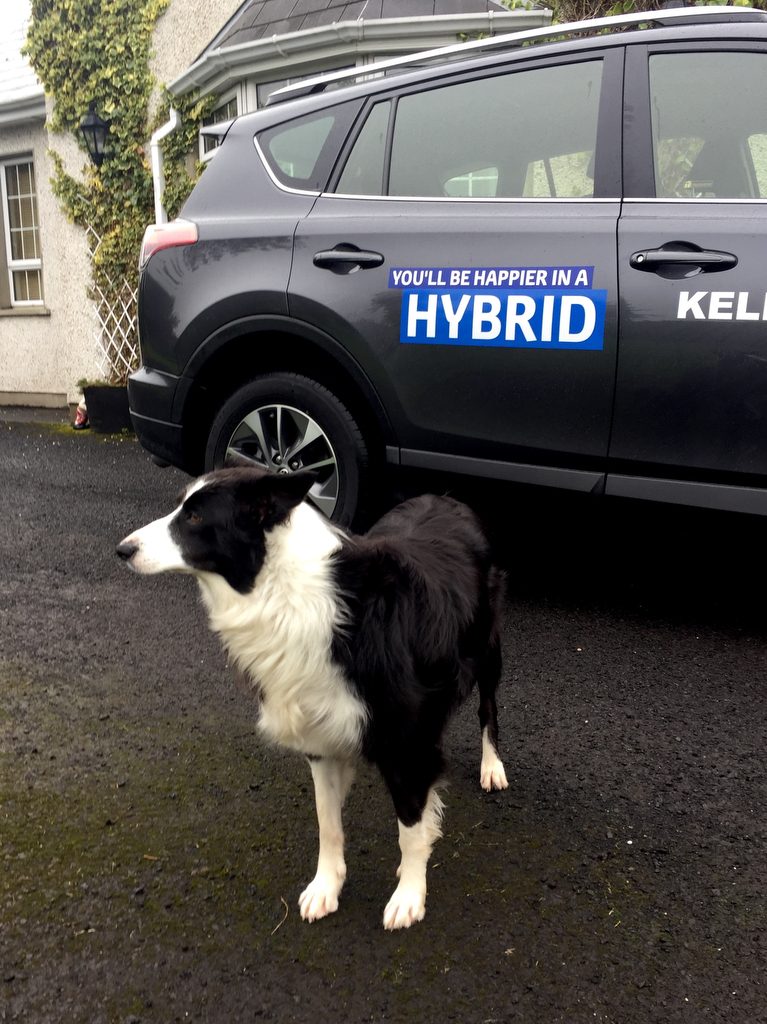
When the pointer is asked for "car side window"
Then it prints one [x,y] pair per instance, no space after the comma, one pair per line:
[363,172]
[705,145]
[524,134]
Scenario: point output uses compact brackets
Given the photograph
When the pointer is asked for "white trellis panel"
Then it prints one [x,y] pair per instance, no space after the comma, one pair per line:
[117,326]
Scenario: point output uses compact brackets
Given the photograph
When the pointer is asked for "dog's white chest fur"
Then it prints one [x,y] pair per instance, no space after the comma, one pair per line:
[280,635]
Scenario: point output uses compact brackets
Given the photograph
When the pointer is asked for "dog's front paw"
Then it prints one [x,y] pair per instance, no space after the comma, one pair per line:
[319,898]
[407,905]
[492,775]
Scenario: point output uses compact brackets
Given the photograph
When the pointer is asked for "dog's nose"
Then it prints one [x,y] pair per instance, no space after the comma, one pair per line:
[126,549]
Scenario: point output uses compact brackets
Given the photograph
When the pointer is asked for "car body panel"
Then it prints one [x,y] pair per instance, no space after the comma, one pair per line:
[465,399]
[691,392]
[236,269]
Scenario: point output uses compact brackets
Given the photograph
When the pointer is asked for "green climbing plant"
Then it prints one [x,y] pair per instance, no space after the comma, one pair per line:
[581,10]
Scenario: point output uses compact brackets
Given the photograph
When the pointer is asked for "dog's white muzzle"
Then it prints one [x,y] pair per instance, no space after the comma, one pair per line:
[152,549]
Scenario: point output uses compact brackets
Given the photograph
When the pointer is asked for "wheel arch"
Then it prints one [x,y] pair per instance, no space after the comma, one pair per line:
[254,346]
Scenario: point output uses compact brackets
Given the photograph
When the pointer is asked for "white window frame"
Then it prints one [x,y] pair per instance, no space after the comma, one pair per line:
[14,266]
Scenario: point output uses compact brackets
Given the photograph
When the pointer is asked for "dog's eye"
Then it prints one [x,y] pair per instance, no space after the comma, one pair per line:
[194,518]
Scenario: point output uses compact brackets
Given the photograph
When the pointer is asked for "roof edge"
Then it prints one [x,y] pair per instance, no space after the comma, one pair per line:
[23,109]
[217,67]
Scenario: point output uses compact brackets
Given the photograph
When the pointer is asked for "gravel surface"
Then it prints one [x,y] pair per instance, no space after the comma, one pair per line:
[152,849]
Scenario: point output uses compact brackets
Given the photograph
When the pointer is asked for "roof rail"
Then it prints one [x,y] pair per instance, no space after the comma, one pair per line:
[511,40]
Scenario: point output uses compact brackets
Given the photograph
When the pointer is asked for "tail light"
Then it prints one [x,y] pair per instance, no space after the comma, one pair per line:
[165,236]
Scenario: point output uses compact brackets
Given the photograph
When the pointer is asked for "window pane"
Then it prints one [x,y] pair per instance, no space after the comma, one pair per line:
[23,245]
[570,175]
[20,292]
[757,145]
[21,285]
[14,213]
[27,286]
[498,128]
[265,89]
[475,185]
[24,173]
[12,181]
[34,285]
[363,174]
[27,211]
[674,162]
[296,150]
[700,134]
[20,215]
[226,112]
[301,152]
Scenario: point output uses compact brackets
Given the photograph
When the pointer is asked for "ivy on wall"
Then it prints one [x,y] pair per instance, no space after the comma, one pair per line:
[581,10]
[181,168]
[99,50]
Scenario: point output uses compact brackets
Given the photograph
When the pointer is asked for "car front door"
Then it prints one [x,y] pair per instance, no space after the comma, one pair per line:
[465,254]
[691,399]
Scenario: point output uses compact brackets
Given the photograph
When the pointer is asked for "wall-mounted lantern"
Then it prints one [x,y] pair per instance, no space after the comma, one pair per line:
[95,132]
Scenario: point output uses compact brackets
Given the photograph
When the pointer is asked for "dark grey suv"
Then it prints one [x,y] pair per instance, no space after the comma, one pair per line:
[536,263]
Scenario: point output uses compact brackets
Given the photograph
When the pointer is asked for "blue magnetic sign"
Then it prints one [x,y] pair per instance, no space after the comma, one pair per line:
[505,307]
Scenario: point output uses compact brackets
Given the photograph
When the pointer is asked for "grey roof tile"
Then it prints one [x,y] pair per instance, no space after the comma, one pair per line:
[259,18]
[407,8]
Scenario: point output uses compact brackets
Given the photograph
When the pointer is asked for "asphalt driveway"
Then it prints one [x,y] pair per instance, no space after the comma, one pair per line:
[152,849]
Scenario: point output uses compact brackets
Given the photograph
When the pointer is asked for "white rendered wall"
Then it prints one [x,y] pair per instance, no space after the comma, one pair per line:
[42,356]
[183,32]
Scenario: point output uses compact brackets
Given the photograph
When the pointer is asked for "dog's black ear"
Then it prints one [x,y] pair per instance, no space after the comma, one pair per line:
[289,489]
[273,496]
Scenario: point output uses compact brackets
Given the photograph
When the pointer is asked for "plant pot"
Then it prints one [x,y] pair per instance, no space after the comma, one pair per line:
[107,408]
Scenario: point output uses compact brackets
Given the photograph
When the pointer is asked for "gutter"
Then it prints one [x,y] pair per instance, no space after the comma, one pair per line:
[158,171]
[224,65]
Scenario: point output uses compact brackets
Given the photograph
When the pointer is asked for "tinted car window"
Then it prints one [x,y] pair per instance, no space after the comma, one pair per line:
[300,152]
[707,143]
[363,173]
[527,134]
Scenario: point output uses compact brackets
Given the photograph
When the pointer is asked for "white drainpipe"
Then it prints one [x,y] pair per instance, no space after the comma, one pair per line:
[158,173]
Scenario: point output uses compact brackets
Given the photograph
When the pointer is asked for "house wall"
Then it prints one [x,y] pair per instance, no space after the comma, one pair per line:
[183,32]
[44,353]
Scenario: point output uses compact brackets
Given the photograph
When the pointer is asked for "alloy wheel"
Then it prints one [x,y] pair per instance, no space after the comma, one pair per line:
[286,440]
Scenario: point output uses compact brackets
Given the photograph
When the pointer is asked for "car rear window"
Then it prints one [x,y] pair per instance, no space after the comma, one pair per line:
[300,152]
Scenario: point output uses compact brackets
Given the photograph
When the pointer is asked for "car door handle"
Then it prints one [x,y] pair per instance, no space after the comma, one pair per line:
[682,256]
[345,259]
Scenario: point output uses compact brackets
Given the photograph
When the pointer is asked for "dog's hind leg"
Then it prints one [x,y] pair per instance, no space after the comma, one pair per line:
[492,774]
[332,782]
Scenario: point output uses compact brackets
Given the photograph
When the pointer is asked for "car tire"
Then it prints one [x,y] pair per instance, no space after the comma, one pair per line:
[287,422]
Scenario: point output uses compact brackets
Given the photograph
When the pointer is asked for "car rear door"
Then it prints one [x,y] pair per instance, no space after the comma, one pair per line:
[465,254]
[691,399]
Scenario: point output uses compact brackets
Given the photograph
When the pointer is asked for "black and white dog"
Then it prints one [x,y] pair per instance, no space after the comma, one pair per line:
[358,646]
